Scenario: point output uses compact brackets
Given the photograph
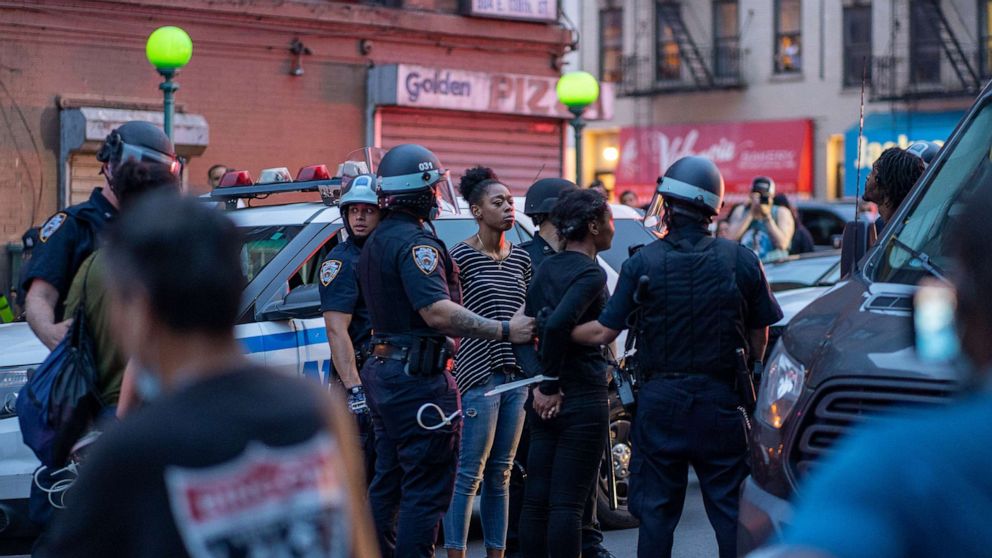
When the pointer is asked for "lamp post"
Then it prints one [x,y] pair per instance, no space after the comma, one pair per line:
[168,49]
[577,90]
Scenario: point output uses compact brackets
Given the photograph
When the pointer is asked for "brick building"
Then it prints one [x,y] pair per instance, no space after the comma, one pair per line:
[471,79]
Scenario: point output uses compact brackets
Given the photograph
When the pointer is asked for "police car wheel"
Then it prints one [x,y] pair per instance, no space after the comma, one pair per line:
[619,518]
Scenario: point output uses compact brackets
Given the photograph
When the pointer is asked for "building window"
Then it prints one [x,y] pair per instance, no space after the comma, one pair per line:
[857,43]
[668,65]
[985,37]
[610,43]
[924,44]
[726,39]
[788,37]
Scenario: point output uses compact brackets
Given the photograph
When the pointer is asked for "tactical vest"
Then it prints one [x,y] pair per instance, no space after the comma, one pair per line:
[693,317]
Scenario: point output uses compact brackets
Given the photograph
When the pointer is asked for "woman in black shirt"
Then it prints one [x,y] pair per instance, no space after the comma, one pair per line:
[571,412]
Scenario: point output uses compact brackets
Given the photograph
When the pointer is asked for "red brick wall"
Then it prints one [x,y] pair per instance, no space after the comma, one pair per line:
[239,77]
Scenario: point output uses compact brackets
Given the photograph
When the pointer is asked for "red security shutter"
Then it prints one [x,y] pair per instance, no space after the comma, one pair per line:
[516,147]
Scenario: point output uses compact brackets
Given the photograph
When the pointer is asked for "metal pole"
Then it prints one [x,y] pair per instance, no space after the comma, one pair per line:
[578,124]
[169,89]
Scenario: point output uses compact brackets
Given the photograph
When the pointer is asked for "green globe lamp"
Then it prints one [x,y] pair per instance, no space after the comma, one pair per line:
[168,49]
[577,90]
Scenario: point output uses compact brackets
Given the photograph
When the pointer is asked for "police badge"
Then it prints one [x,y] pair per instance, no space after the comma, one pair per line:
[52,225]
[329,270]
[426,258]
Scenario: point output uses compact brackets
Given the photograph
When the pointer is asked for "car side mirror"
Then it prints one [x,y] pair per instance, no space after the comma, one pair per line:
[300,303]
[858,237]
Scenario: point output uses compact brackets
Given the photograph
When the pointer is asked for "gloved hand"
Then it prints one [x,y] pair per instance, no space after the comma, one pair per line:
[356,401]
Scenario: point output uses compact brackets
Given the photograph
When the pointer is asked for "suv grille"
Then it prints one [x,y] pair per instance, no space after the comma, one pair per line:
[838,406]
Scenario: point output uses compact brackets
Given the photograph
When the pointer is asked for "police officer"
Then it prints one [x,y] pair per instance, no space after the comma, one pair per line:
[412,291]
[706,297]
[69,237]
[538,203]
[345,313]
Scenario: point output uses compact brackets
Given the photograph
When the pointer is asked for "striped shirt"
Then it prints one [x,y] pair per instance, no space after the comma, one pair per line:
[494,290]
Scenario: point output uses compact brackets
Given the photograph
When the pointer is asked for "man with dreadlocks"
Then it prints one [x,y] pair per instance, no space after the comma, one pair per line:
[892,176]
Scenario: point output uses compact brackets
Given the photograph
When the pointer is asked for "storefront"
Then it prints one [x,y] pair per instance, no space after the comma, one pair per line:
[781,149]
[510,122]
[885,130]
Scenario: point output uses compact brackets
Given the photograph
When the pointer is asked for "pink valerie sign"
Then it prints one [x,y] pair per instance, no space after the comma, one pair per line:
[782,150]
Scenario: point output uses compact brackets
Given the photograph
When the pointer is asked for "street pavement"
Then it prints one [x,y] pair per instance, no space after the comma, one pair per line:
[693,538]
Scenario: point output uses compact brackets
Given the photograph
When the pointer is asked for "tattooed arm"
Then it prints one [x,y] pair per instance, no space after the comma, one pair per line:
[452,319]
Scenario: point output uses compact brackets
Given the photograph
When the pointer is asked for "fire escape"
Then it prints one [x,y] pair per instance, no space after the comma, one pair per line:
[678,64]
[933,63]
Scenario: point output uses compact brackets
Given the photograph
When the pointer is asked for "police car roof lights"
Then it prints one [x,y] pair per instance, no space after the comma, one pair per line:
[315,178]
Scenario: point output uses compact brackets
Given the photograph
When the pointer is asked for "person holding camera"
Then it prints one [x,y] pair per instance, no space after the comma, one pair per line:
[762,226]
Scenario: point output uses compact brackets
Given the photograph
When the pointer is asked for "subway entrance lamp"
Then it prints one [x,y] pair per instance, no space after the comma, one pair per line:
[168,49]
[577,90]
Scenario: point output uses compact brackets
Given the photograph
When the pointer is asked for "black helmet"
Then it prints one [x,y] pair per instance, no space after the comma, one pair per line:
[140,141]
[926,150]
[693,181]
[543,194]
[411,176]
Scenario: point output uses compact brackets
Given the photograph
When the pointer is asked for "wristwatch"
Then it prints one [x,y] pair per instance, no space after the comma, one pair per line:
[505,328]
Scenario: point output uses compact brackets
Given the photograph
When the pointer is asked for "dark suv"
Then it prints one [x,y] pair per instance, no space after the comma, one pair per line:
[850,354]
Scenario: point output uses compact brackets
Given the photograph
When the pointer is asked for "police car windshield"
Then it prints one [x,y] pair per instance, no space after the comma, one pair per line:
[629,232]
[920,234]
[262,244]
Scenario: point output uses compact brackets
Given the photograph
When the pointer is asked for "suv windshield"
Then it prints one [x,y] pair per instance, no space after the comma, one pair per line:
[965,168]
[261,244]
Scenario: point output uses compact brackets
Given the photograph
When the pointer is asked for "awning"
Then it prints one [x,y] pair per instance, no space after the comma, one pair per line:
[85,128]
[782,150]
[889,129]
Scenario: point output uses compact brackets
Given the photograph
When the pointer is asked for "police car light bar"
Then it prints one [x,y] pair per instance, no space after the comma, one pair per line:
[238,185]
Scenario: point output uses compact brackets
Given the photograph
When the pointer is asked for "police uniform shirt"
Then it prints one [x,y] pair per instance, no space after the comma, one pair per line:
[404,268]
[538,249]
[760,307]
[65,241]
[339,290]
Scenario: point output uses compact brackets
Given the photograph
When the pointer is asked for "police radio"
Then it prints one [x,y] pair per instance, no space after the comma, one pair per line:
[627,376]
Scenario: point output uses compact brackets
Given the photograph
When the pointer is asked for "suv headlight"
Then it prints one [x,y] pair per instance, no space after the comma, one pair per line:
[11,382]
[780,388]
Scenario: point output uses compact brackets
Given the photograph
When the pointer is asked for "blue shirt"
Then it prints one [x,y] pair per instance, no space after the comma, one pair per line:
[917,485]
[339,290]
[65,241]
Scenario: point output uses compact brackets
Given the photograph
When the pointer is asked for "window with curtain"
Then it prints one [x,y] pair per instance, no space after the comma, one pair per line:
[726,39]
[788,37]
[668,66]
[857,42]
[610,43]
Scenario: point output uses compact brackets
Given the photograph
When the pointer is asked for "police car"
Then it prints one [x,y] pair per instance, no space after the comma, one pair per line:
[280,323]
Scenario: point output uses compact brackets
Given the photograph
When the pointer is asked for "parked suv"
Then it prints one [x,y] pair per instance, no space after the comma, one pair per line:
[850,354]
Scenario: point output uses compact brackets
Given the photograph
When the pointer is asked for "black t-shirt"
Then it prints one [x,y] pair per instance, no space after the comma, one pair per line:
[574,287]
[240,464]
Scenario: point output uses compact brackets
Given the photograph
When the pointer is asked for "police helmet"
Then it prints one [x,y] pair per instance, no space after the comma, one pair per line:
[926,150]
[694,182]
[411,176]
[543,194]
[140,141]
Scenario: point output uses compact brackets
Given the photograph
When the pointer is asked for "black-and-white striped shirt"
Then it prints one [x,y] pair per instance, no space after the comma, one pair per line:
[494,290]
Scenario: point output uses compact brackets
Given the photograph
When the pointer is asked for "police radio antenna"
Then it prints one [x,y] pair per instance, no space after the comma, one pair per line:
[861,133]
[539,171]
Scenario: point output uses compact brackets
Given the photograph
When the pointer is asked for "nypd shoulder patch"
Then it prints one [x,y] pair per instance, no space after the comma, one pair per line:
[52,225]
[329,270]
[426,258]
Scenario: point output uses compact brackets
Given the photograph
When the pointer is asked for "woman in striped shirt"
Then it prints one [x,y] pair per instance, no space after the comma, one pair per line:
[494,276]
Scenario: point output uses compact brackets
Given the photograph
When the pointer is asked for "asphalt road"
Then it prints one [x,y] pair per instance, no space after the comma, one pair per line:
[693,538]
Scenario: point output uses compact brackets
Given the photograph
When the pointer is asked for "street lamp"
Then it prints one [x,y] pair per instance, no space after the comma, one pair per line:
[577,90]
[168,49]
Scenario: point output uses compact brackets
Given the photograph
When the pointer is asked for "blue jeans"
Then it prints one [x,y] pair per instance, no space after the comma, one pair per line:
[490,432]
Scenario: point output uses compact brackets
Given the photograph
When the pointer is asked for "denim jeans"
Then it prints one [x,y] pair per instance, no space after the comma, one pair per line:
[562,467]
[491,429]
